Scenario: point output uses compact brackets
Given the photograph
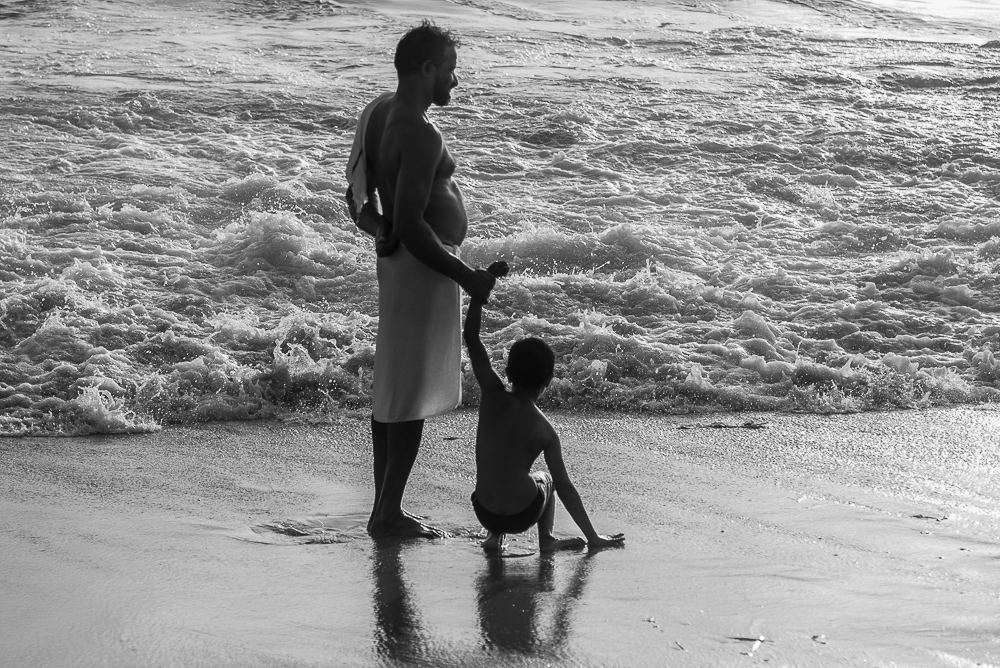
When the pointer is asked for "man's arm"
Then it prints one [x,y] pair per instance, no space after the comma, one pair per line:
[370,221]
[571,498]
[418,164]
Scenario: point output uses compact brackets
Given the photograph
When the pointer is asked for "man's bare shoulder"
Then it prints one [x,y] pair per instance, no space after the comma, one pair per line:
[407,137]
[407,125]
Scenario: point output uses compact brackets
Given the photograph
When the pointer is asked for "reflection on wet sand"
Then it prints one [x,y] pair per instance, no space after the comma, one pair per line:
[520,609]
[523,607]
[398,633]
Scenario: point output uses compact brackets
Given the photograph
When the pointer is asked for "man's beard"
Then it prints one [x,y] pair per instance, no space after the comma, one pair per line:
[442,94]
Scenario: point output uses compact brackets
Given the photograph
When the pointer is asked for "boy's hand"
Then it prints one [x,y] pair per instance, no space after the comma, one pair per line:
[617,540]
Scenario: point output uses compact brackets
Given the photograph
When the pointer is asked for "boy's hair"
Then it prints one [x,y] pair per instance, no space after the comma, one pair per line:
[420,44]
[530,363]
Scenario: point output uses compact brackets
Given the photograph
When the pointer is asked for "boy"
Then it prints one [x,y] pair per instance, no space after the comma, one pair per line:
[512,432]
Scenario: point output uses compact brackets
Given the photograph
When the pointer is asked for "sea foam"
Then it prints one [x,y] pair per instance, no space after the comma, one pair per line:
[702,210]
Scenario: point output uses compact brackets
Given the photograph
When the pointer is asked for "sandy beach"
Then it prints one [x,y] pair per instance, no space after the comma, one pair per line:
[743,204]
[752,539]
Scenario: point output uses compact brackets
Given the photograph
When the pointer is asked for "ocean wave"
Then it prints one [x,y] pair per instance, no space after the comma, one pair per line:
[745,216]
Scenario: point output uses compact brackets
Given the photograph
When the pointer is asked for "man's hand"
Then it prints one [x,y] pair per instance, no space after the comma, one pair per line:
[386,242]
[617,540]
[480,284]
[483,280]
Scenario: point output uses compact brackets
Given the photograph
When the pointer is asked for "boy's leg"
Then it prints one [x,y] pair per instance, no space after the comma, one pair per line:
[493,542]
[546,541]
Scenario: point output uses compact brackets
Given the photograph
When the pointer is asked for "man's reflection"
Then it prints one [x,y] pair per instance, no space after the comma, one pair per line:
[519,608]
[398,634]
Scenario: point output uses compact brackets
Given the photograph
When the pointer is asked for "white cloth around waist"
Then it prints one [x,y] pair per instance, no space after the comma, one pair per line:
[418,348]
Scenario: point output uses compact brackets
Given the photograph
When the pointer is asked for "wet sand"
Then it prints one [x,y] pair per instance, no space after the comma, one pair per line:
[844,540]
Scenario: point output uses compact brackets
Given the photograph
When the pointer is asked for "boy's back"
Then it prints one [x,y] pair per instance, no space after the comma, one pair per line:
[512,433]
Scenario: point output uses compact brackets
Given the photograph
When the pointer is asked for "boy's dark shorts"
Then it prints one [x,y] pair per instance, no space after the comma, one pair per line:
[522,521]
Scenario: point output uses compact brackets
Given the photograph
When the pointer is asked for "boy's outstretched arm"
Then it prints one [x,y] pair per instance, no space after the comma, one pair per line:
[571,499]
[487,377]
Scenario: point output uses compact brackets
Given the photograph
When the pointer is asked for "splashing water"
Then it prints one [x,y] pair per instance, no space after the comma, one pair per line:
[703,206]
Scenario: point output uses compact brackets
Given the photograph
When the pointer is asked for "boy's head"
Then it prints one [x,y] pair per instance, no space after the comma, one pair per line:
[530,363]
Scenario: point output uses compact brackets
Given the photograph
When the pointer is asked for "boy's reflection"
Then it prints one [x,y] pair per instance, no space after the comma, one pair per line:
[516,597]
[520,609]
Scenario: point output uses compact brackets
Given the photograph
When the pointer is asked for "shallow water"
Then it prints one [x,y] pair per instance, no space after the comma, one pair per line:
[739,205]
[845,540]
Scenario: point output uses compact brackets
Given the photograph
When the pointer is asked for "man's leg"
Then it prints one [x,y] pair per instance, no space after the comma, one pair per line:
[402,442]
[402,445]
[380,451]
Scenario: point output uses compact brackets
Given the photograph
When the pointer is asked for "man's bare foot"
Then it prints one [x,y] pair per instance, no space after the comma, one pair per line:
[407,513]
[551,544]
[413,516]
[404,526]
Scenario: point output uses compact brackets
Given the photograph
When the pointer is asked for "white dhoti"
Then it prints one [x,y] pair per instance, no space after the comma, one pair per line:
[418,349]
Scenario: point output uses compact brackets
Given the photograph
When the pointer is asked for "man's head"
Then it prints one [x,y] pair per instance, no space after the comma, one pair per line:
[428,50]
[530,363]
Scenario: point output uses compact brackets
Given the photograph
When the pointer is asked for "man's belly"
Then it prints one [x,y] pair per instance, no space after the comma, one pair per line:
[445,213]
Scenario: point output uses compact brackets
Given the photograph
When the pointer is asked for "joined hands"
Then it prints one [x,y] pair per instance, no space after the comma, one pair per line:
[485,279]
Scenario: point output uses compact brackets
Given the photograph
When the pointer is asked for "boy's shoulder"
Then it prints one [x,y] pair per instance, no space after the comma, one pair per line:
[540,429]
[506,408]
[547,426]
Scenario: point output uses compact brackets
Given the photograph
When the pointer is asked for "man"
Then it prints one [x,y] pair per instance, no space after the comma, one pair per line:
[400,162]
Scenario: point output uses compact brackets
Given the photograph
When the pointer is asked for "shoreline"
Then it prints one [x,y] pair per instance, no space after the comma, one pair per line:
[842,540]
